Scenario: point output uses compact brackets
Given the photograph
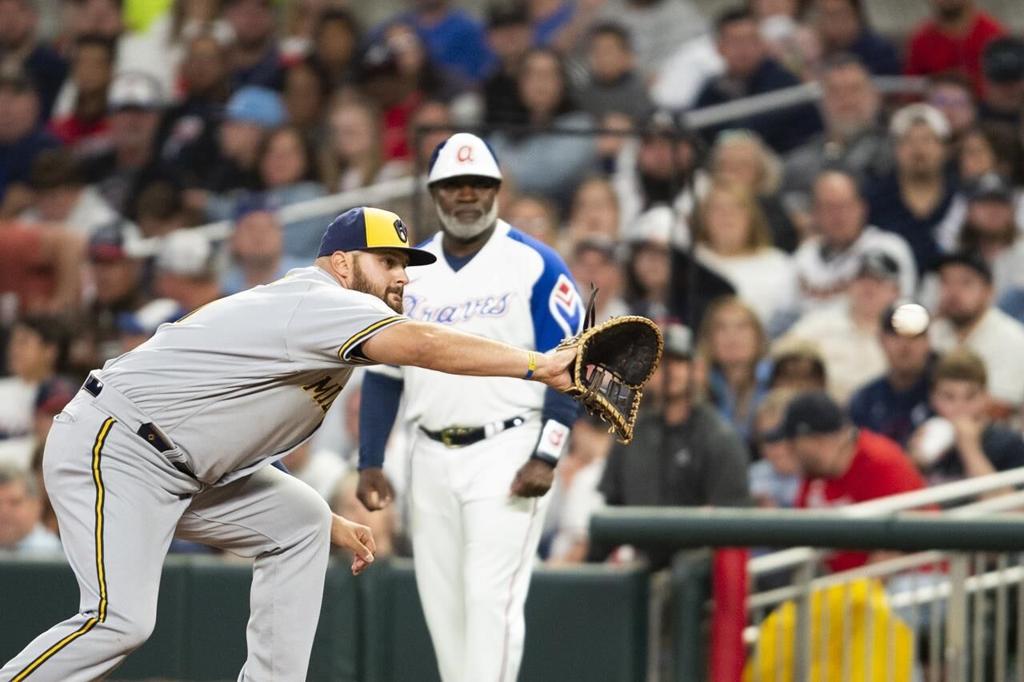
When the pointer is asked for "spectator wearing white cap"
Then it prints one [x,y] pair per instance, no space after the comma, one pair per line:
[186,269]
[916,200]
[136,104]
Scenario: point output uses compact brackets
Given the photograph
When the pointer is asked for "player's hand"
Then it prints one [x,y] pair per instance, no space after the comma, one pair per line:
[374,489]
[357,539]
[553,368]
[533,478]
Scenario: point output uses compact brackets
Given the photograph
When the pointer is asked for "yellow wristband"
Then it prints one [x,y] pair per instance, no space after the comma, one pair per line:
[532,366]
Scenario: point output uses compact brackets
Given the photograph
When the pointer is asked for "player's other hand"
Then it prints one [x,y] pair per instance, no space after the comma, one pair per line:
[533,479]
[356,538]
[374,489]
[553,368]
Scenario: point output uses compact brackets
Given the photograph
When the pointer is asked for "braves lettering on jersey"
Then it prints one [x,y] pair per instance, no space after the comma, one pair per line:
[515,289]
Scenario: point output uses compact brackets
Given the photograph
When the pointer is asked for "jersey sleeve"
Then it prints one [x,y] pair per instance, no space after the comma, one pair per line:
[335,325]
[555,304]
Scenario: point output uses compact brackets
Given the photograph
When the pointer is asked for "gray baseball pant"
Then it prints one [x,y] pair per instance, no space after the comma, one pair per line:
[119,501]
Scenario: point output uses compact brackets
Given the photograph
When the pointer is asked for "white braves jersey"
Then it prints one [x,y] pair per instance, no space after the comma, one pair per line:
[516,290]
[240,382]
[824,276]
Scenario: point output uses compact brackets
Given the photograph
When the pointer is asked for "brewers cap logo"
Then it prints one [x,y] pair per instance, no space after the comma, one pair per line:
[402,230]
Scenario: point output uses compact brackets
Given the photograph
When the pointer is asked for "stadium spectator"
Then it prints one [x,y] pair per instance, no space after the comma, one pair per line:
[788,40]
[848,334]
[733,239]
[227,159]
[186,270]
[656,27]
[429,114]
[613,84]
[648,267]
[594,213]
[257,250]
[454,38]
[60,195]
[575,496]
[798,366]
[1003,68]
[21,511]
[683,453]
[853,140]
[353,156]
[952,40]
[951,94]
[896,403]
[987,148]
[560,24]
[136,105]
[335,45]
[967,318]
[509,37]
[92,70]
[740,157]
[655,171]
[118,279]
[775,477]
[593,262]
[36,351]
[306,93]
[534,215]
[541,162]
[382,82]
[842,27]
[828,261]
[204,72]
[973,445]
[750,71]
[40,269]
[91,17]
[916,200]
[21,138]
[287,172]
[842,464]
[255,58]
[21,48]
[733,347]
[419,75]
[991,230]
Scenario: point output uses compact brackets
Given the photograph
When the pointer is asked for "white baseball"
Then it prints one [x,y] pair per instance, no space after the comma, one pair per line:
[910,319]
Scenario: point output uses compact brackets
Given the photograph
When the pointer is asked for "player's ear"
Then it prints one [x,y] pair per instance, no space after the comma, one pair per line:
[341,263]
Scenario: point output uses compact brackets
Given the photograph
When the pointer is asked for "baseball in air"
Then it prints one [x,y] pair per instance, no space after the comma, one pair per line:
[910,319]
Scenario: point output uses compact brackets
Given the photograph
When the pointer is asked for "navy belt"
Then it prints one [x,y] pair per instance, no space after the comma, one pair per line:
[147,432]
[461,436]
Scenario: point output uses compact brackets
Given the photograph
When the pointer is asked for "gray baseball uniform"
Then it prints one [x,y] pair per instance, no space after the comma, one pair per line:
[173,438]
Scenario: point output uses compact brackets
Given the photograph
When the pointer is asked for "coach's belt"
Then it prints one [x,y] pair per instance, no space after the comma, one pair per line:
[460,436]
[147,432]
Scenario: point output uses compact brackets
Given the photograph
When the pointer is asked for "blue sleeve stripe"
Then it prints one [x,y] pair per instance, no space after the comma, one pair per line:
[555,304]
[378,409]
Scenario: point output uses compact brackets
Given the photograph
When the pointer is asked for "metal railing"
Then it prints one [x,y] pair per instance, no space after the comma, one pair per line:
[953,610]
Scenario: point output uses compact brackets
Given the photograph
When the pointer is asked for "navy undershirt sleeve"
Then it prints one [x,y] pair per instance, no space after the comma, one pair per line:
[560,407]
[378,409]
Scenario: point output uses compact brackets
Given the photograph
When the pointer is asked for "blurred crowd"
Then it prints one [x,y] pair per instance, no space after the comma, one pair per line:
[773,244]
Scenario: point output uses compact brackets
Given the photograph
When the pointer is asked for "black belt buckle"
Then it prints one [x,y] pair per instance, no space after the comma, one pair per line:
[93,386]
[460,435]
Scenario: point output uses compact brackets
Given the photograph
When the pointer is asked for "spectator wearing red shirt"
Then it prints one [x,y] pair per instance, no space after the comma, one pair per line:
[40,269]
[953,40]
[842,464]
[92,70]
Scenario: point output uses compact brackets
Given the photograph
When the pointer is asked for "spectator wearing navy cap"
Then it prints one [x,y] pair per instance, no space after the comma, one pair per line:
[136,104]
[1002,64]
[258,248]
[896,403]
[21,137]
[967,317]
[842,464]
[991,229]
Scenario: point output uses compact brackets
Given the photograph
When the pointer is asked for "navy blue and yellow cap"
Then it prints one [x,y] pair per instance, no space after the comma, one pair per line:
[369,229]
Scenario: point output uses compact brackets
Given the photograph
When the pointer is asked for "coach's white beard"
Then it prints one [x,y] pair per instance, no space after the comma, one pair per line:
[466,231]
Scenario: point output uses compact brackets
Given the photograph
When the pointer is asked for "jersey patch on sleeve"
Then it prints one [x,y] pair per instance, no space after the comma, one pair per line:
[566,306]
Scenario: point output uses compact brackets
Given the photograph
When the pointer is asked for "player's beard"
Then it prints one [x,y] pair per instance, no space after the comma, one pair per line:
[360,282]
[466,231]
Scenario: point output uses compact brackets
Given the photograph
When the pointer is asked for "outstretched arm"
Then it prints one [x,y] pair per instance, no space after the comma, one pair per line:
[434,346]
